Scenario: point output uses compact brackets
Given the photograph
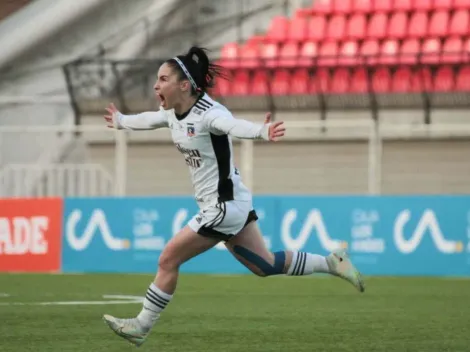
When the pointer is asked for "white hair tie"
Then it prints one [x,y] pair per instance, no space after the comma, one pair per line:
[186,72]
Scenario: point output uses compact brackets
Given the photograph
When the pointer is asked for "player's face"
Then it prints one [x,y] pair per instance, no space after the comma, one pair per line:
[169,88]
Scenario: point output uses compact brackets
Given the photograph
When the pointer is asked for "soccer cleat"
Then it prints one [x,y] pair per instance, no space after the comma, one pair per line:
[340,265]
[128,329]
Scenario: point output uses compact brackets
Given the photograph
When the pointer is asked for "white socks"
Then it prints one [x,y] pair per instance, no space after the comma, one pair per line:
[306,264]
[155,301]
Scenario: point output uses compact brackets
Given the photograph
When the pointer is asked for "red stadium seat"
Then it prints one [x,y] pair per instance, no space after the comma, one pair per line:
[389,52]
[463,79]
[462,4]
[377,28]
[241,83]
[409,52]
[439,24]
[356,28]
[328,54]
[401,81]
[323,6]
[229,55]
[452,50]
[336,28]
[398,25]
[403,5]
[320,82]
[348,54]
[418,26]
[363,6]
[421,80]
[280,83]
[223,87]
[317,28]
[340,81]
[298,29]
[383,6]
[459,24]
[359,81]
[423,5]
[249,56]
[278,29]
[269,54]
[260,84]
[300,82]
[308,54]
[381,80]
[289,55]
[369,51]
[443,4]
[431,50]
[444,79]
[343,6]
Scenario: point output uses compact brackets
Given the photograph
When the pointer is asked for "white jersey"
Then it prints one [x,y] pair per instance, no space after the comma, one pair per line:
[203,136]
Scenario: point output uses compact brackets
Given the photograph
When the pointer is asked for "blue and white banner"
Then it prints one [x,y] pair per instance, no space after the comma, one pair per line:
[400,235]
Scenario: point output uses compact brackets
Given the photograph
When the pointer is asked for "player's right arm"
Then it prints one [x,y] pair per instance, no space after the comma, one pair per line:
[145,121]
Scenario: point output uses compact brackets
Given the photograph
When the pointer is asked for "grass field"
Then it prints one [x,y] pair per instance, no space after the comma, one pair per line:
[240,313]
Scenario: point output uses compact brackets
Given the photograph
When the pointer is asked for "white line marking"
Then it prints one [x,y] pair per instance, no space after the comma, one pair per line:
[119,299]
[4,295]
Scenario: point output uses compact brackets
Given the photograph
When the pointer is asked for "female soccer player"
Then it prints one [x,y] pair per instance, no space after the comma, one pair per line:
[202,129]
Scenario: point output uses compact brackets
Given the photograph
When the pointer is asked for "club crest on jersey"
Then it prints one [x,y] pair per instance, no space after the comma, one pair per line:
[191,131]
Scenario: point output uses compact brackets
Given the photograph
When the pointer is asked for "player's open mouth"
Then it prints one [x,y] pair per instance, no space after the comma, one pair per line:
[162,100]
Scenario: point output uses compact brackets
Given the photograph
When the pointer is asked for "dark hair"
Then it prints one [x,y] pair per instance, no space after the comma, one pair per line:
[200,68]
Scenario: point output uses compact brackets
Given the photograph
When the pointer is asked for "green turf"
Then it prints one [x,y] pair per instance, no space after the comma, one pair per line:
[242,313]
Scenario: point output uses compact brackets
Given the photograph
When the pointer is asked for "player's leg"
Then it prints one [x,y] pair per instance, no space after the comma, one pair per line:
[181,248]
[249,248]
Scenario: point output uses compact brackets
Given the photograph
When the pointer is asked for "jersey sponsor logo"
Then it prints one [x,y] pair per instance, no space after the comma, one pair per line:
[191,156]
[313,222]
[427,223]
[96,223]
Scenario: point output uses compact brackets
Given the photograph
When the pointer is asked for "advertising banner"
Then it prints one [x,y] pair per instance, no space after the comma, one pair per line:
[30,235]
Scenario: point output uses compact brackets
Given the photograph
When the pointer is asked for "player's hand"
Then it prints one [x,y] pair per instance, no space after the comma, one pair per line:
[276,129]
[111,116]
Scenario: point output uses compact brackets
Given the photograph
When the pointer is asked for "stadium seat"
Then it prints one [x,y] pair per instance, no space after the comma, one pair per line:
[398,25]
[389,52]
[280,83]
[300,82]
[362,6]
[421,80]
[431,50]
[229,55]
[340,81]
[377,28]
[403,5]
[336,28]
[320,82]
[317,28]
[269,54]
[308,54]
[356,28]
[370,51]
[223,87]
[443,4]
[343,6]
[459,24]
[409,52]
[359,81]
[463,79]
[381,80]
[278,28]
[422,5]
[249,56]
[241,83]
[462,4]
[418,26]
[401,80]
[444,79]
[260,85]
[289,53]
[452,50]
[348,54]
[383,6]
[328,54]
[323,6]
[439,24]
[298,29]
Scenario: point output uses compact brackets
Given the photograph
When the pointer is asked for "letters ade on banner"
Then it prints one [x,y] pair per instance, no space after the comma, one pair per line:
[384,235]
[30,234]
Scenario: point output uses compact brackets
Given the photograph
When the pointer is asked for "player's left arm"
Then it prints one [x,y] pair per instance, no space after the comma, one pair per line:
[222,121]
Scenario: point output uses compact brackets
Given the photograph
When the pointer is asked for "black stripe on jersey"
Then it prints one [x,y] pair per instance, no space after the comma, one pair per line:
[204,101]
[201,107]
[221,146]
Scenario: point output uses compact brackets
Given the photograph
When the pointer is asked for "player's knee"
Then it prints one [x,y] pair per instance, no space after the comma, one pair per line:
[167,262]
